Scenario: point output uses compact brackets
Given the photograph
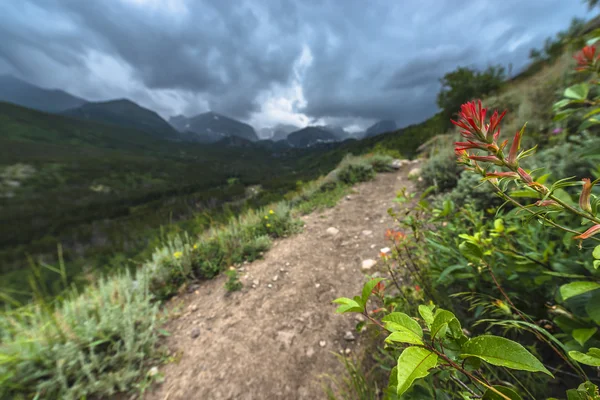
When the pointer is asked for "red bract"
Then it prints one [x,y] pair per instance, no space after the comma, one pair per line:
[525,176]
[589,233]
[584,199]
[515,147]
[586,58]
[417,288]
[499,174]
[379,288]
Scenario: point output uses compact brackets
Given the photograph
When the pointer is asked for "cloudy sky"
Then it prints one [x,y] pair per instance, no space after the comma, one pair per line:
[348,62]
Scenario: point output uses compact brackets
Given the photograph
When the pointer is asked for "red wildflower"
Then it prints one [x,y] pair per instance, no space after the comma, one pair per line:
[379,289]
[584,199]
[589,233]
[396,236]
[586,58]
[471,119]
[417,288]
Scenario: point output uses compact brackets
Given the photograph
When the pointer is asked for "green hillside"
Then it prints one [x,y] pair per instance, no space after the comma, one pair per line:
[102,190]
[124,113]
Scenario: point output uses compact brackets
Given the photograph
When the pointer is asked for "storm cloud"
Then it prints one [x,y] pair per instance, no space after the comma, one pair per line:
[266,62]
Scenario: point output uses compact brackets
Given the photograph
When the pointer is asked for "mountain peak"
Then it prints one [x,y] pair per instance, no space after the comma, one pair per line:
[212,127]
[383,126]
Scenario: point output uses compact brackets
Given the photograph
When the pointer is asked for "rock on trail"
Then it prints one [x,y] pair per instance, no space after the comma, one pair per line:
[276,337]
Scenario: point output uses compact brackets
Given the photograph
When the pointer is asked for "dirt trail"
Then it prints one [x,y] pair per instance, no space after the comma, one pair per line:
[275,341]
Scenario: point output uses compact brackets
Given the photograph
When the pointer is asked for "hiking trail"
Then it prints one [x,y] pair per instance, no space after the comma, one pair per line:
[274,339]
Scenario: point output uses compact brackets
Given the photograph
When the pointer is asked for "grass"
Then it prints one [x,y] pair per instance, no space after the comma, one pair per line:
[104,339]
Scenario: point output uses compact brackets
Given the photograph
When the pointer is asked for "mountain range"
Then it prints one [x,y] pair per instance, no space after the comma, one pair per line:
[209,127]
[212,127]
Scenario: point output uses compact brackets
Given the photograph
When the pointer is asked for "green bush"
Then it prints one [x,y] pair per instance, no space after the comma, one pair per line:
[441,171]
[470,190]
[353,170]
[97,343]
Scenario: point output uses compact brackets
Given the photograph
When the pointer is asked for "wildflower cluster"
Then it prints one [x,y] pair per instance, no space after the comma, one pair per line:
[481,135]
[587,59]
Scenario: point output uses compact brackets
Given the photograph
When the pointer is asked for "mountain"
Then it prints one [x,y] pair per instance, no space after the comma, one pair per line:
[278,132]
[381,127]
[124,113]
[212,127]
[25,94]
[310,136]
[179,122]
[338,131]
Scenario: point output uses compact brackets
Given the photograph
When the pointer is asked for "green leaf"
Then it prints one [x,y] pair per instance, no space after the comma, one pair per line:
[577,92]
[576,288]
[502,352]
[561,104]
[400,322]
[414,363]
[585,391]
[593,112]
[368,287]
[583,335]
[596,252]
[392,388]
[426,314]
[448,271]
[443,320]
[593,307]
[347,305]
[499,225]
[587,123]
[508,392]
[470,251]
[592,357]
[404,337]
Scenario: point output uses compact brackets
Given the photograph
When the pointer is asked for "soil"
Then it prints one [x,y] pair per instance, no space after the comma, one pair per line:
[276,338]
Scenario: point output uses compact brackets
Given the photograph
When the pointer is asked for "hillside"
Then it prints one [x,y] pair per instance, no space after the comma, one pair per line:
[18,92]
[124,113]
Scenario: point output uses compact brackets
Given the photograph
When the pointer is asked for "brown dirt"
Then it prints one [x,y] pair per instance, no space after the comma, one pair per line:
[266,342]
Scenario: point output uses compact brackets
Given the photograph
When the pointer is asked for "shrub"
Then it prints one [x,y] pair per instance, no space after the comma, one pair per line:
[92,343]
[233,283]
[353,170]
[470,190]
[441,171]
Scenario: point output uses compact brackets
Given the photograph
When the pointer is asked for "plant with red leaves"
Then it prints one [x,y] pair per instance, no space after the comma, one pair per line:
[484,136]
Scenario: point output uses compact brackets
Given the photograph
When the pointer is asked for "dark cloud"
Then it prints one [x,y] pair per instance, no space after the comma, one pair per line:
[370,60]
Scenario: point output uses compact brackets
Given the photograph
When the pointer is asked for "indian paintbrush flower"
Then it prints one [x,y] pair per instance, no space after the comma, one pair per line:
[471,119]
[586,58]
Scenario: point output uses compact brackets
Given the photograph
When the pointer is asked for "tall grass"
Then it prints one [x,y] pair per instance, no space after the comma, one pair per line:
[104,339]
